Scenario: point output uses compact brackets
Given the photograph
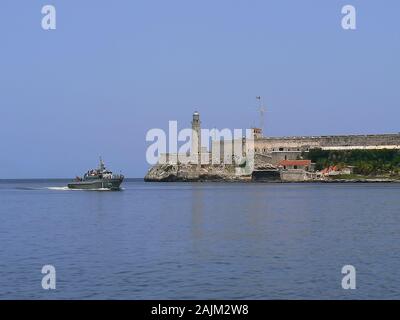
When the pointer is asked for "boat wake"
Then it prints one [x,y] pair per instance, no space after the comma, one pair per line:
[68,189]
[58,188]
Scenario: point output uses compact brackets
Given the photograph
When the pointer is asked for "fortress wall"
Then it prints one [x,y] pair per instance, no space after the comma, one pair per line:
[285,143]
[361,140]
[329,142]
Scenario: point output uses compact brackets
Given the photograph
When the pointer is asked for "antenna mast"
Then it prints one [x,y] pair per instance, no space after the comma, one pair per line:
[261,110]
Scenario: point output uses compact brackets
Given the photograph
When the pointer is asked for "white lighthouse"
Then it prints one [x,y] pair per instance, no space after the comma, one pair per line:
[196,138]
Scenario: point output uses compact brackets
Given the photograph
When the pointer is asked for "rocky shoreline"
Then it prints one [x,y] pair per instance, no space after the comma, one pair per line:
[191,173]
[227,173]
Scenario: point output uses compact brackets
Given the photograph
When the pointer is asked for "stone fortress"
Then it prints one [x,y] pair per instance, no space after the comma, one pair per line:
[289,148]
[273,158]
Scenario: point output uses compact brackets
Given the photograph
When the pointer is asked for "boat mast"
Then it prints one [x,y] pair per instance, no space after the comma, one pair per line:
[102,166]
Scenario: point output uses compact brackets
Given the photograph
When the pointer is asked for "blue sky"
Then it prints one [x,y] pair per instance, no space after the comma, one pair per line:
[112,70]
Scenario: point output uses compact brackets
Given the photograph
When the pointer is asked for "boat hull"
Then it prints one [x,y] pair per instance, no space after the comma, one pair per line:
[98,184]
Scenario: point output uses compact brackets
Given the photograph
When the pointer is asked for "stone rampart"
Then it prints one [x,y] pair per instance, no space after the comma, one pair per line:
[378,141]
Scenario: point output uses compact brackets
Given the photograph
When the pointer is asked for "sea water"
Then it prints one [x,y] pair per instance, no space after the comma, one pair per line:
[199,240]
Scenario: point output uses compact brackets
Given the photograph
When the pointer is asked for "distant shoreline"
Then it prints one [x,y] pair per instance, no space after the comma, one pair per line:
[330,181]
[54,179]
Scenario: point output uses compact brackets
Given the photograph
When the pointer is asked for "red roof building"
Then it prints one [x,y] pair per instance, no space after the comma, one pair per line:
[295,164]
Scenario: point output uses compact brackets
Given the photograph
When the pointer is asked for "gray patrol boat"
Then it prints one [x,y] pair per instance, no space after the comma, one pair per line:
[99,178]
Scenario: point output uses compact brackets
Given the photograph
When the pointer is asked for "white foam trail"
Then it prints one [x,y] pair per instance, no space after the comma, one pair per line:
[68,189]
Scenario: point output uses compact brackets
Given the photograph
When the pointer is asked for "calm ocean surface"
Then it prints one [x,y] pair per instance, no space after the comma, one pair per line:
[200,241]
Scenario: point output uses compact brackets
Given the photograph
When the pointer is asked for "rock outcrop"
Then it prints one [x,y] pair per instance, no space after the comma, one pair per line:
[191,172]
[223,172]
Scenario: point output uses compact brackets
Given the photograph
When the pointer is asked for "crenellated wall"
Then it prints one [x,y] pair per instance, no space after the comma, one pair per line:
[377,141]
